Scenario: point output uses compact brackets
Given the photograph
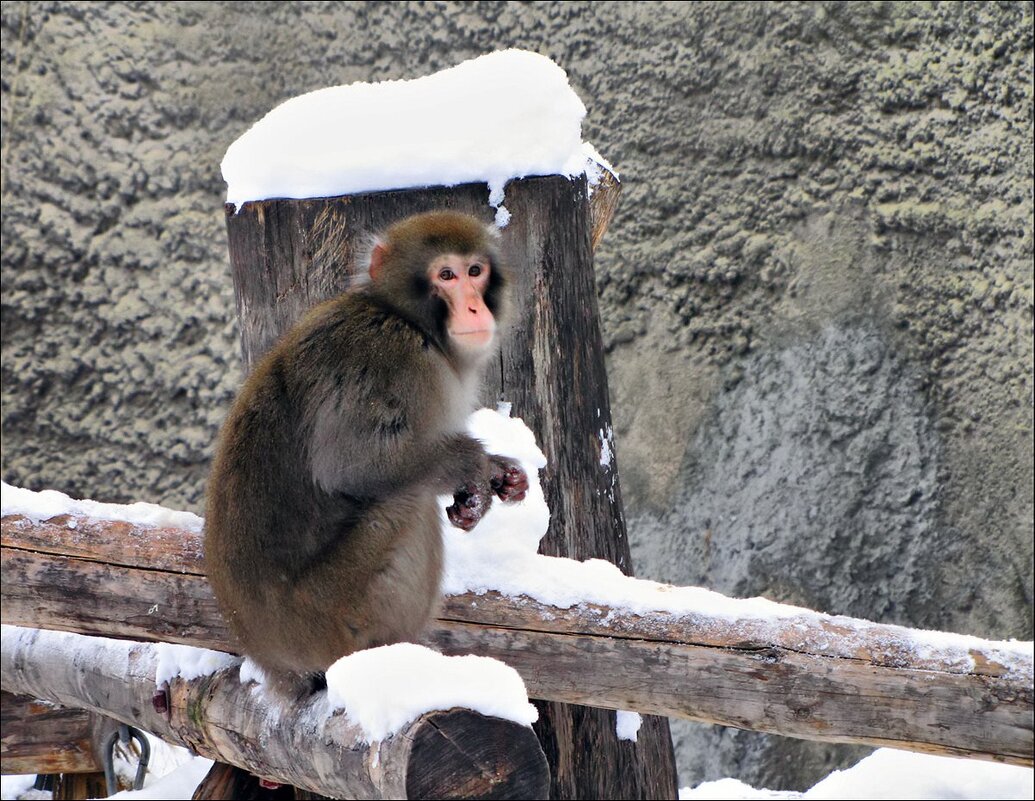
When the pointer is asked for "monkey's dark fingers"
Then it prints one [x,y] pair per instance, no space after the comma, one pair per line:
[511,484]
[468,507]
[459,518]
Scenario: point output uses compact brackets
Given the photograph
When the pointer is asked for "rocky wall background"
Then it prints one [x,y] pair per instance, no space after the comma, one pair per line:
[816,294]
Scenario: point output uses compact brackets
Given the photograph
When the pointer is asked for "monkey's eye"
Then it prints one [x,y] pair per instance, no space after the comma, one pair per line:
[447,275]
[475,270]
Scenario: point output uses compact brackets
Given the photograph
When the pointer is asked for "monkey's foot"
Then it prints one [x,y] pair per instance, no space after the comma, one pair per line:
[469,506]
[508,480]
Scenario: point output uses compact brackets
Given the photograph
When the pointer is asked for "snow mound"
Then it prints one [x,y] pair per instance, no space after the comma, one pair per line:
[505,115]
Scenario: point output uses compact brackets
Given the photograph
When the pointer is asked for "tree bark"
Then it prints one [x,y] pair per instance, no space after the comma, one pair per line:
[603,201]
[812,676]
[447,754]
[287,255]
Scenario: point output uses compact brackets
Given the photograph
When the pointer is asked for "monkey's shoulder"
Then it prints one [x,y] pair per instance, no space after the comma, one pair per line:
[355,331]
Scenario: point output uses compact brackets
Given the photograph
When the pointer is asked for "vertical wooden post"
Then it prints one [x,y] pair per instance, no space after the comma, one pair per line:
[287,255]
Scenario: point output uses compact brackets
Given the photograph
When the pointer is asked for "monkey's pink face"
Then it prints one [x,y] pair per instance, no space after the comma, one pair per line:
[462,281]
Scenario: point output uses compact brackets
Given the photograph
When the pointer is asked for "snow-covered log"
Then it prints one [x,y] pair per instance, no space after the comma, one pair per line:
[803,675]
[453,753]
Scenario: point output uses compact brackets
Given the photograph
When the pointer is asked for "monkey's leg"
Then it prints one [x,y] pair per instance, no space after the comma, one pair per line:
[405,593]
[379,584]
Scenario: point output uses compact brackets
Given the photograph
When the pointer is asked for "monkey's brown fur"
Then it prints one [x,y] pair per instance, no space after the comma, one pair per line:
[322,532]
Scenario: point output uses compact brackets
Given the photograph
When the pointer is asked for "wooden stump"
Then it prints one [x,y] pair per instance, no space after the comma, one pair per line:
[288,255]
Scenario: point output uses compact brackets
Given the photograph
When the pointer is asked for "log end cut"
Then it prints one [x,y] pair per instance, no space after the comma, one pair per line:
[462,754]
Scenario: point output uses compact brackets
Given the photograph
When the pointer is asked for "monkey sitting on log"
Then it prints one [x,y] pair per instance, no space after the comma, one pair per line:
[322,532]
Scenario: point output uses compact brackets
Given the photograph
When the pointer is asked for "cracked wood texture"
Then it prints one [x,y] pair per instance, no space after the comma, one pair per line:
[446,754]
[40,737]
[812,676]
[287,255]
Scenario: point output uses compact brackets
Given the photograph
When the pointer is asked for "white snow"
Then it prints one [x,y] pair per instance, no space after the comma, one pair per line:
[606,448]
[600,163]
[250,671]
[16,785]
[500,552]
[896,776]
[627,725]
[892,774]
[383,689]
[507,114]
[179,783]
[729,790]
[187,662]
[38,506]
[508,530]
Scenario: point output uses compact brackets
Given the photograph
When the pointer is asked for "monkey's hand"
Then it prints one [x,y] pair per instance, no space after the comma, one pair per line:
[470,503]
[507,479]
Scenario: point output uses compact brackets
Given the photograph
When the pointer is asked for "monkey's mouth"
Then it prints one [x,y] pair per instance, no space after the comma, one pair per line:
[472,337]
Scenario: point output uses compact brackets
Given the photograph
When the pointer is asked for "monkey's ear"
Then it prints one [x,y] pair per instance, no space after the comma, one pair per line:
[377,259]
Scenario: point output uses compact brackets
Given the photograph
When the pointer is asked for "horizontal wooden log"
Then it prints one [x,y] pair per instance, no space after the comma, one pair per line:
[449,754]
[41,737]
[812,676]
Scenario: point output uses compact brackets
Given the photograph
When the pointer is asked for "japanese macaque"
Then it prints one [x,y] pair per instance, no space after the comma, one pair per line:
[322,529]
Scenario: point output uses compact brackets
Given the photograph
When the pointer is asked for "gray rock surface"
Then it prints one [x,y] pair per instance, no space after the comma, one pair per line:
[816,294]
